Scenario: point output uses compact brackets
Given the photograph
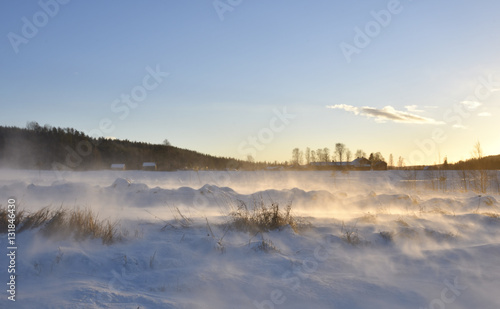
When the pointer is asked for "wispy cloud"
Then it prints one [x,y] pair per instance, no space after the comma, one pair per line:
[385,114]
[346,107]
[413,109]
[471,105]
[484,114]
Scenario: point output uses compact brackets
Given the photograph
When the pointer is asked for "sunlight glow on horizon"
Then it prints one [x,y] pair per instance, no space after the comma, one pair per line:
[211,83]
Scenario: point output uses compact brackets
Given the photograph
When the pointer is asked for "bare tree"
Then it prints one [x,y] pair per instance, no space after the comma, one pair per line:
[348,155]
[401,162]
[463,177]
[313,156]
[319,154]
[308,155]
[340,150]
[480,175]
[477,151]
[326,154]
[391,161]
[360,154]
[166,142]
[443,174]
[496,180]
[295,156]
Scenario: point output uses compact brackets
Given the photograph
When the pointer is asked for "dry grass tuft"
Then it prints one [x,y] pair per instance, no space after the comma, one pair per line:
[387,236]
[350,234]
[263,218]
[495,217]
[61,223]
[34,220]
[491,215]
[266,245]
[368,218]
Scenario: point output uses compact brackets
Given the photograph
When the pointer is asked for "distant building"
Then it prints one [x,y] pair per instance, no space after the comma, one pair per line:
[335,164]
[359,164]
[149,166]
[362,164]
[118,166]
[332,165]
[379,166]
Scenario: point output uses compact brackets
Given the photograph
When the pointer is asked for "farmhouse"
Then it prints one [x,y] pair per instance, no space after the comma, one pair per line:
[379,166]
[118,166]
[149,166]
[361,164]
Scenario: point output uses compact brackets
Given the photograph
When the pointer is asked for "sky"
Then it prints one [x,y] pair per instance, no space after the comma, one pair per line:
[416,79]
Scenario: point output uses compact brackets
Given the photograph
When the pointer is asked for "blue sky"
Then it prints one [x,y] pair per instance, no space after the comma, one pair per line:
[418,79]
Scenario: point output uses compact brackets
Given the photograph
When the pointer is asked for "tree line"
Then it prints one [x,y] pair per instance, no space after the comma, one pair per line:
[477,161]
[47,147]
[341,153]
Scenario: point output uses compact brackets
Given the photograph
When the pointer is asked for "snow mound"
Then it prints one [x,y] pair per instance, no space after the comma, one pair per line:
[481,204]
[442,205]
[127,184]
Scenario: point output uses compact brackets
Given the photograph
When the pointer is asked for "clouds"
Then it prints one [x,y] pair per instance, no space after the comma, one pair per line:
[388,113]
[471,105]
[413,109]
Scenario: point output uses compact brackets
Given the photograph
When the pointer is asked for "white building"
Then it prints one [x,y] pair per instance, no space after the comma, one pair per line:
[149,166]
[118,166]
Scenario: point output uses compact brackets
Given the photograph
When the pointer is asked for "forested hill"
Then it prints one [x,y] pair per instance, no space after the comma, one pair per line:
[37,147]
[487,163]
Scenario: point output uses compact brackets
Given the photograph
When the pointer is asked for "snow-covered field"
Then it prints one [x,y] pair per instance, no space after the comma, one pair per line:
[368,240]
